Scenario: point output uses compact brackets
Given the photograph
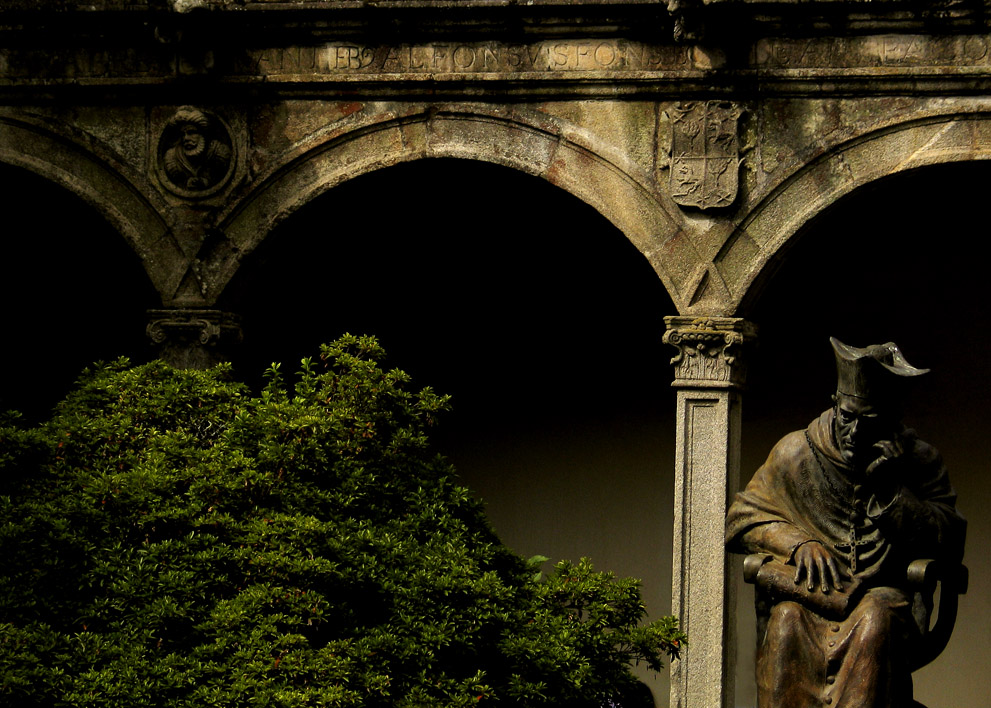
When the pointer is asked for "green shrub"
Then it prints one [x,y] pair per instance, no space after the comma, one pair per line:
[170,540]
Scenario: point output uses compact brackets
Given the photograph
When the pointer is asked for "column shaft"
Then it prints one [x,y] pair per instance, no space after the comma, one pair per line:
[709,373]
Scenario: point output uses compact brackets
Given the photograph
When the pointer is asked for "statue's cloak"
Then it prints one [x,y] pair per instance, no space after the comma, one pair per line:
[805,492]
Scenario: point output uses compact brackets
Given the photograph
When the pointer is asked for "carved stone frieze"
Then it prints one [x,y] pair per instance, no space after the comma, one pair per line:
[710,350]
[193,339]
[705,153]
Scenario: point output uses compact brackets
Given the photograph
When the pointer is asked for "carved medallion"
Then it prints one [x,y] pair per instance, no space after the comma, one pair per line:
[705,153]
[195,153]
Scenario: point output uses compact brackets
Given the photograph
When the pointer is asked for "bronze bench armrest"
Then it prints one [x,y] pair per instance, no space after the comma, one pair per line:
[923,575]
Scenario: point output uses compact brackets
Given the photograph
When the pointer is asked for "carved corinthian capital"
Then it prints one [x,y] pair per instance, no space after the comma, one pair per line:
[710,350]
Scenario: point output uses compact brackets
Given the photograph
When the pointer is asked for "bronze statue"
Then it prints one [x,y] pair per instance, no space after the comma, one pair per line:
[839,512]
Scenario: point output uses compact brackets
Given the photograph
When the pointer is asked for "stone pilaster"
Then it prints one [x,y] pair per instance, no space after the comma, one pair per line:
[191,338]
[709,374]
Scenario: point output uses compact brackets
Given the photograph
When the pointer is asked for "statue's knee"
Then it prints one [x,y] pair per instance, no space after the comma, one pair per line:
[875,622]
[783,618]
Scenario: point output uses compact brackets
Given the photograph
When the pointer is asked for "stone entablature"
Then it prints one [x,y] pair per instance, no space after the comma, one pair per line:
[589,66]
[591,48]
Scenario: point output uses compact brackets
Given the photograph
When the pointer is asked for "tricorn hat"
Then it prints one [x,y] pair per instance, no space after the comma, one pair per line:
[875,372]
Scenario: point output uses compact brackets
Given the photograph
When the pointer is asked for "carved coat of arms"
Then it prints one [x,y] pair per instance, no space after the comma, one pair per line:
[705,153]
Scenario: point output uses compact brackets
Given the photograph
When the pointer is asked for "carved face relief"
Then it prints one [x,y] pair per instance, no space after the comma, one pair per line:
[195,154]
[193,141]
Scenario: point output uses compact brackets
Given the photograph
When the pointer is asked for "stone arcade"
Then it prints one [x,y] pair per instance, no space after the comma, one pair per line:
[708,133]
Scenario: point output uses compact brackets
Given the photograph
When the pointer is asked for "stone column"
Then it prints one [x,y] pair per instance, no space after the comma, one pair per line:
[192,338]
[709,373]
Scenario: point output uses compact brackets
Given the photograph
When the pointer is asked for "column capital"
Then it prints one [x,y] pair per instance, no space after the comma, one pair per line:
[193,338]
[710,350]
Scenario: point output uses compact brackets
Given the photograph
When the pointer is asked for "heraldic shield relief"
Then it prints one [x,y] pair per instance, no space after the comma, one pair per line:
[705,153]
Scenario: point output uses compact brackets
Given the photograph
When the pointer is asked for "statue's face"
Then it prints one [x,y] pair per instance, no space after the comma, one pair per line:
[193,141]
[858,426]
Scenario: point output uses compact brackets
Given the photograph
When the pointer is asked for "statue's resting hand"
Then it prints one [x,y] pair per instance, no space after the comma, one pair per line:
[816,565]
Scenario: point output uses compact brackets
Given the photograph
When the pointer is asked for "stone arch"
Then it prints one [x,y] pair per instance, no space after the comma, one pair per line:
[535,144]
[756,246]
[77,163]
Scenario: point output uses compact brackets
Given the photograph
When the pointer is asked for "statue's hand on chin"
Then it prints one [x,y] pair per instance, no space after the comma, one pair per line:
[884,472]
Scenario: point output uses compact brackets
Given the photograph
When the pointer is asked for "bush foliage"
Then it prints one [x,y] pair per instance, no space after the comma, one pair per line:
[169,539]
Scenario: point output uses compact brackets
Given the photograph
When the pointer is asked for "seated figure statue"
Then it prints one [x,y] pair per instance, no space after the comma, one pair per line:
[840,510]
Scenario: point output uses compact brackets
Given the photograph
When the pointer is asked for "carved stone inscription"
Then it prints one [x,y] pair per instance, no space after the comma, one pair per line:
[346,59]
[705,153]
[878,50]
[84,63]
[454,58]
